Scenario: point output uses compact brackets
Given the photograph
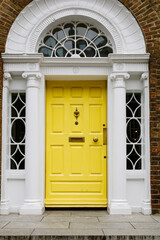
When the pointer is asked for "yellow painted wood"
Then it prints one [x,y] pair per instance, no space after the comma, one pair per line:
[76,171]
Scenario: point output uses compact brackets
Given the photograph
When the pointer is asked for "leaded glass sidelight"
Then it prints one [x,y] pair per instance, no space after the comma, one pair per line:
[17,131]
[75,39]
[134,131]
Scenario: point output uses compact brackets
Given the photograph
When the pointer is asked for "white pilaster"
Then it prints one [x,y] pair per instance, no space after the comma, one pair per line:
[119,204]
[4,208]
[146,204]
[32,203]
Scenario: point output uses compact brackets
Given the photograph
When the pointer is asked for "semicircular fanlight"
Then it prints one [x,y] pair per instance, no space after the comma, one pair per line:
[75,39]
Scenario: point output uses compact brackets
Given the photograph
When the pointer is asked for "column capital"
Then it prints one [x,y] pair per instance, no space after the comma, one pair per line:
[115,76]
[33,75]
[144,78]
[6,78]
[32,79]
[118,79]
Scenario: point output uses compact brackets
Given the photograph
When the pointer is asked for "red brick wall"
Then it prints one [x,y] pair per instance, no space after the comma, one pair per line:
[147,14]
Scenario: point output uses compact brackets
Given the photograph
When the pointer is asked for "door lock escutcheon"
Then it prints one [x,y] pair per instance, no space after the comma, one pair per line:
[95,139]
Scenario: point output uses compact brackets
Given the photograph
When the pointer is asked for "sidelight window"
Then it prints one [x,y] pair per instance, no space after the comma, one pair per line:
[75,39]
[134,131]
[17,131]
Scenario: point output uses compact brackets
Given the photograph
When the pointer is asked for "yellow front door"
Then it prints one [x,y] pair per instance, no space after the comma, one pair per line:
[76,144]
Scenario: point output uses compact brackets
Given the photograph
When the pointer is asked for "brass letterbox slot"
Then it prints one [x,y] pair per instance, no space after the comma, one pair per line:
[76,139]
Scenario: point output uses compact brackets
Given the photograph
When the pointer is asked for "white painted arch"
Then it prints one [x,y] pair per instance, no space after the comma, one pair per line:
[108,14]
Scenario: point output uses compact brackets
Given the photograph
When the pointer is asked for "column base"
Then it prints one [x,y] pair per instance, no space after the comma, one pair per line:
[146,207]
[119,207]
[32,207]
[4,207]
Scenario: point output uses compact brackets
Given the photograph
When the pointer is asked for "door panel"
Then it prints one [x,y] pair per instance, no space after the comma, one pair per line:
[75,164]
[95,112]
[57,167]
[58,121]
[95,163]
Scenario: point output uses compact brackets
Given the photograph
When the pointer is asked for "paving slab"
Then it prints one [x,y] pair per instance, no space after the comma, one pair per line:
[76,224]
[37,225]
[3,224]
[18,218]
[69,219]
[8,217]
[122,218]
[148,226]
[113,219]
[156,217]
[133,232]
[16,232]
[67,232]
[89,213]
[61,213]
[101,225]
[140,218]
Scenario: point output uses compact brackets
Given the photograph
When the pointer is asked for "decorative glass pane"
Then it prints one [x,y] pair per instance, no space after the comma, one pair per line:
[50,41]
[46,51]
[134,131]
[69,29]
[105,51]
[134,104]
[69,44]
[100,41]
[81,29]
[61,52]
[92,33]
[58,34]
[81,44]
[18,156]
[17,131]
[17,103]
[90,52]
[13,112]
[75,39]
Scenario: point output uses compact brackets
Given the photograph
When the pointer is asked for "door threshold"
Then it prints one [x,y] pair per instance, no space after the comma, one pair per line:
[76,206]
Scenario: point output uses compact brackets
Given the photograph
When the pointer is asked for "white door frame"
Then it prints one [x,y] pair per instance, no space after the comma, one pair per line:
[25,70]
[98,69]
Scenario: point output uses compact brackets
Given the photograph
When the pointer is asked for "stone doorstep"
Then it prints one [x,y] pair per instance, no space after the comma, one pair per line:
[79,234]
[76,237]
[76,225]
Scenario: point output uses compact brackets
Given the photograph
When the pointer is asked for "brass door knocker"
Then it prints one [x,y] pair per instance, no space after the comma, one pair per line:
[76,114]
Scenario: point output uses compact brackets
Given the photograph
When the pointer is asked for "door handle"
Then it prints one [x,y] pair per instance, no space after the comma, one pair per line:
[104,136]
[95,139]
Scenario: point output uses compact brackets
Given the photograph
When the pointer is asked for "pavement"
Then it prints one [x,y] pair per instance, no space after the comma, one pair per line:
[79,224]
